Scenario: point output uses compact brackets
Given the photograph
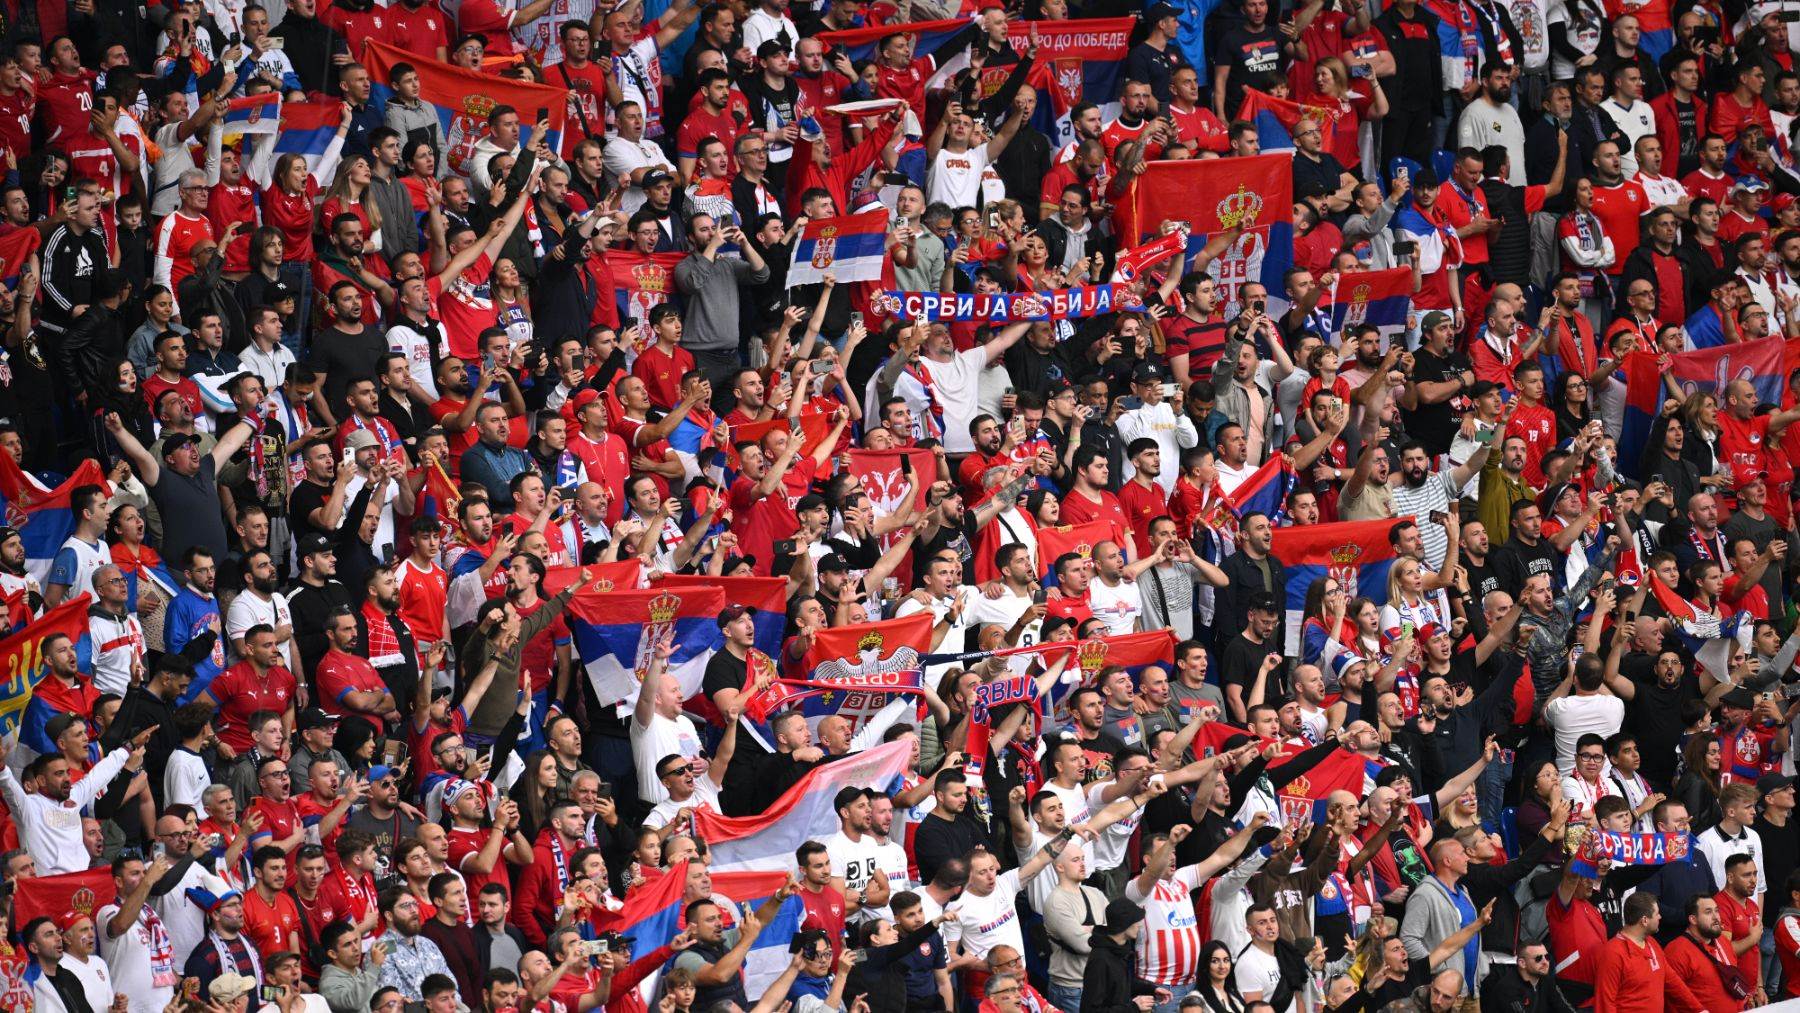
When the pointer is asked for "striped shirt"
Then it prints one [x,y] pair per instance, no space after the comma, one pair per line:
[1169,946]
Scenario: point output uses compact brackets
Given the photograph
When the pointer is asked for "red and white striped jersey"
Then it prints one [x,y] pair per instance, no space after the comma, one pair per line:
[1169,946]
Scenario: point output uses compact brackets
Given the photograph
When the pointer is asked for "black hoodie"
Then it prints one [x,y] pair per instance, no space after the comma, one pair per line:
[1110,981]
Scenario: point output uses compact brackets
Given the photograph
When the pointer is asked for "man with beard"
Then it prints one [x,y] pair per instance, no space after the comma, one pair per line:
[258,602]
[460,401]
[391,647]
[260,682]
[55,842]
[545,663]
[14,577]
[351,346]
[1490,117]
[1664,265]
[1698,956]
[318,596]
[411,957]
[1421,492]
[347,683]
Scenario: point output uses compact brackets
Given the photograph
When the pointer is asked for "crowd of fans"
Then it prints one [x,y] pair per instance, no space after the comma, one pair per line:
[368,418]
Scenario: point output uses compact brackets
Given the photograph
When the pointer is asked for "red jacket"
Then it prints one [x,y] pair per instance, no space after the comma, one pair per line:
[1692,965]
[540,889]
[1668,129]
[1637,979]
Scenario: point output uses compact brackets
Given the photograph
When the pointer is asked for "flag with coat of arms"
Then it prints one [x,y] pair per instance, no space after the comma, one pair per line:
[848,247]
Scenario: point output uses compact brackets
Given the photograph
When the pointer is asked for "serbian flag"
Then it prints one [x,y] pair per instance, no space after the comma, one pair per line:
[1702,370]
[83,892]
[642,281]
[1264,492]
[1707,637]
[766,842]
[884,478]
[16,251]
[1214,195]
[22,708]
[625,575]
[42,514]
[1274,119]
[1703,329]
[616,635]
[1054,543]
[1078,61]
[1381,299]
[814,426]
[307,129]
[254,114]
[1357,553]
[866,673]
[463,99]
[768,596]
[1303,798]
[848,247]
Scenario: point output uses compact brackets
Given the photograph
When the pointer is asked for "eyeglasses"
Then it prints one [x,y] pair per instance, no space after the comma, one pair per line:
[1596,757]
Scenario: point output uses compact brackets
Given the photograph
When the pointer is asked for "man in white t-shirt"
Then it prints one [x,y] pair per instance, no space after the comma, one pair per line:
[1113,594]
[1013,610]
[686,790]
[987,915]
[1049,818]
[955,376]
[957,162]
[133,940]
[261,605]
[658,728]
[1258,973]
[890,855]
[1661,190]
[853,849]
[1590,710]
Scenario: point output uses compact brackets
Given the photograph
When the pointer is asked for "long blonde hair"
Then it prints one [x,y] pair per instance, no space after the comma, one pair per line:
[341,189]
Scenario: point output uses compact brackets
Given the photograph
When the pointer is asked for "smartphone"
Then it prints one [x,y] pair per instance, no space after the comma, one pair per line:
[277,42]
[906,464]
[1131,402]
[567,492]
[818,367]
[271,993]
[1168,390]
[856,317]
[604,791]
[1404,248]
[579,361]
[542,114]
[1485,437]
[1436,516]
[993,219]
[1039,597]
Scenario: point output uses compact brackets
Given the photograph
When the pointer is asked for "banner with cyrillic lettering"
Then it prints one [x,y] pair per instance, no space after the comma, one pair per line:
[1628,849]
[1008,307]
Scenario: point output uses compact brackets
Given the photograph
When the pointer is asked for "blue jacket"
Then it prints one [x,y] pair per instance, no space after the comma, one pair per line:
[494,468]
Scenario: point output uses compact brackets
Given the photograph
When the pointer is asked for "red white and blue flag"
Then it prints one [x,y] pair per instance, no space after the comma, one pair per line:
[41,514]
[849,247]
[616,637]
[653,914]
[308,129]
[868,674]
[1274,119]
[1380,299]
[1080,539]
[254,114]
[1303,798]
[463,99]
[1264,492]
[1215,195]
[1704,370]
[23,709]
[1707,637]
[1356,553]
[766,842]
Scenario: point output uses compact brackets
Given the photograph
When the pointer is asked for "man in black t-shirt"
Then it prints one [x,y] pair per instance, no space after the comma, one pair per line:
[1243,658]
[1438,380]
[1245,52]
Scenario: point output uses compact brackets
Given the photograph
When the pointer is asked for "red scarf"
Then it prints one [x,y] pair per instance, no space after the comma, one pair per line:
[383,645]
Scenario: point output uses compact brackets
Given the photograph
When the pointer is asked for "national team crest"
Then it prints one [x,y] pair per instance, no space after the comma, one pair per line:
[468,126]
[825,249]
[1343,568]
[658,630]
[1358,310]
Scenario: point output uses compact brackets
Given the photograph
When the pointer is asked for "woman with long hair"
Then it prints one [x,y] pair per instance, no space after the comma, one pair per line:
[1587,251]
[49,168]
[1327,608]
[1700,434]
[137,561]
[1570,405]
[534,790]
[1218,985]
[289,205]
[1407,602]
[1577,28]
[1538,793]
[349,195]
[1366,616]
[121,396]
[1702,761]
[1331,89]
[512,302]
